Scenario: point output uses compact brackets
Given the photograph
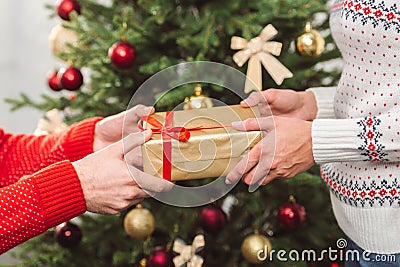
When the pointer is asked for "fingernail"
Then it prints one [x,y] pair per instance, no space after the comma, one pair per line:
[229,179]
[237,124]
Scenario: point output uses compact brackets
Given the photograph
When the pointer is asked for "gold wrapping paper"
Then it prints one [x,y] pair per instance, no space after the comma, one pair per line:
[209,153]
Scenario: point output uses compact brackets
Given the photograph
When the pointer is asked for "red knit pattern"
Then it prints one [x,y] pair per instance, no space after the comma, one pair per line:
[39,187]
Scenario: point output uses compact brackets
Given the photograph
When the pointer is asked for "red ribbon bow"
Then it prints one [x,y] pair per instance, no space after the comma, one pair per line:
[179,133]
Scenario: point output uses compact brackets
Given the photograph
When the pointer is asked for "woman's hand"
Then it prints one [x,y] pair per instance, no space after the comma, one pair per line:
[284,151]
[284,102]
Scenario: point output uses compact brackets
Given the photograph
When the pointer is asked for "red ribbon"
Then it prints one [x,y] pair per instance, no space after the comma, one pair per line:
[179,133]
[167,132]
[167,145]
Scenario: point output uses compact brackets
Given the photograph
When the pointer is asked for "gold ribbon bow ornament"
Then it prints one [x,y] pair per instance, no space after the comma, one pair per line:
[257,51]
[187,253]
[51,123]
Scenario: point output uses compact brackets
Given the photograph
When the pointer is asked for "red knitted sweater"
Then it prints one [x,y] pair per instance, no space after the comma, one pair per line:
[39,187]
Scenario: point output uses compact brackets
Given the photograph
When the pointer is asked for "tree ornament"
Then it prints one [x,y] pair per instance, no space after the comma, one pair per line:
[68,234]
[51,123]
[212,219]
[72,96]
[70,78]
[291,215]
[142,263]
[256,248]
[54,81]
[122,54]
[160,258]
[260,50]
[310,43]
[59,39]
[139,223]
[197,100]
[188,254]
[66,7]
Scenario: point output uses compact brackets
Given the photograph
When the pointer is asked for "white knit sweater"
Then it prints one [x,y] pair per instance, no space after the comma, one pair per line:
[356,135]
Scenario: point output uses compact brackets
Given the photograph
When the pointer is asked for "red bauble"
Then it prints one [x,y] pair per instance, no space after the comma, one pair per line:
[212,219]
[66,7]
[291,215]
[53,81]
[68,234]
[122,55]
[160,258]
[71,78]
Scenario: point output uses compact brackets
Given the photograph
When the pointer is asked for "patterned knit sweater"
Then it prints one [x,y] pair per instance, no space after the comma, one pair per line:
[39,187]
[356,136]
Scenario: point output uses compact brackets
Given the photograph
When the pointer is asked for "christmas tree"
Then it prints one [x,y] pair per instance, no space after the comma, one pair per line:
[118,45]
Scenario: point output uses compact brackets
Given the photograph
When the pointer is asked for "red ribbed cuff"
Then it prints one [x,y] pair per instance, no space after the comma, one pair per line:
[79,142]
[60,192]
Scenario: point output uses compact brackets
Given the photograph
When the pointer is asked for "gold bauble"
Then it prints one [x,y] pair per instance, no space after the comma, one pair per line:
[197,100]
[256,248]
[310,43]
[59,38]
[139,223]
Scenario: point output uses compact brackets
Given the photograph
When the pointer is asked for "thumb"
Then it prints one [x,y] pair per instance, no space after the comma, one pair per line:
[253,99]
[254,124]
[133,140]
[133,114]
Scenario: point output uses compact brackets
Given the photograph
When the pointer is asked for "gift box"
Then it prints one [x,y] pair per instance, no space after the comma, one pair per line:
[197,143]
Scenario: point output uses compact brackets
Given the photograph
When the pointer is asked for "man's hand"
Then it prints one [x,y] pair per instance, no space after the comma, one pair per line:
[110,183]
[110,130]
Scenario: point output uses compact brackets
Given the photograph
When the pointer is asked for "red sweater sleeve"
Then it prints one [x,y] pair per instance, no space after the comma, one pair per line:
[23,154]
[37,202]
[49,191]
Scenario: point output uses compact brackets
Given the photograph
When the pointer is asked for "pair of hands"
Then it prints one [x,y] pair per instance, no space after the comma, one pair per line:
[106,175]
[286,148]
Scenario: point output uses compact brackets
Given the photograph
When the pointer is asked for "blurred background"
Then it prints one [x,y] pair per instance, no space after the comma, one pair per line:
[25,59]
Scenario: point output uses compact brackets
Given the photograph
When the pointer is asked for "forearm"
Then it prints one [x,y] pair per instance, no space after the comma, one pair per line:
[363,139]
[38,202]
[24,154]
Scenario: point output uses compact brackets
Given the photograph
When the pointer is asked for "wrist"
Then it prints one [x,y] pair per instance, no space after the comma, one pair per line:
[309,105]
[96,138]
[79,139]
[84,178]
[311,158]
